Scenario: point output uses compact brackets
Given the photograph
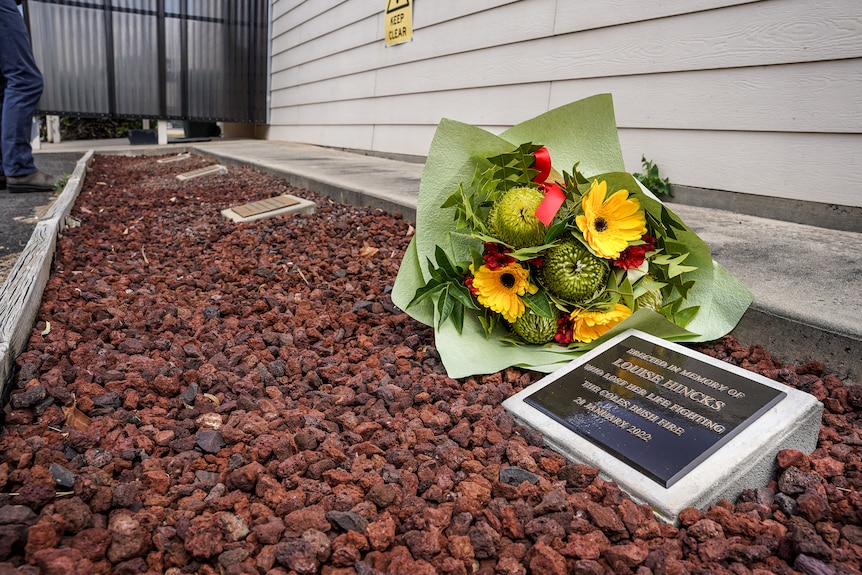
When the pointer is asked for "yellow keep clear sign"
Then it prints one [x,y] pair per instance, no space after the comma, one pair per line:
[399,21]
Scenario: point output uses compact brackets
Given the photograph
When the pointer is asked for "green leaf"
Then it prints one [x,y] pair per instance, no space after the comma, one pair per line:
[489,323]
[670,221]
[445,305]
[458,317]
[445,264]
[438,275]
[477,258]
[461,294]
[647,284]
[526,254]
[676,268]
[509,339]
[684,316]
[684,287]
[578,177]
[423,292]
[456,200]
[539,303]
[627,291]
[674,264]
[490,239]
[556,230]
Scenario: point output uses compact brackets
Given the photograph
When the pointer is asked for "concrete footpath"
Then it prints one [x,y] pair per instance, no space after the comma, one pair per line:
[805,279]
[19,212]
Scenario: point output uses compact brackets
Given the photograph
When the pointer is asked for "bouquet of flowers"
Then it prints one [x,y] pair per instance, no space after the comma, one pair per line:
[515,262]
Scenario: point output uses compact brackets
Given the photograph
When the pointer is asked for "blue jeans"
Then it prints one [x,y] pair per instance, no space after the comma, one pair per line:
[20,90]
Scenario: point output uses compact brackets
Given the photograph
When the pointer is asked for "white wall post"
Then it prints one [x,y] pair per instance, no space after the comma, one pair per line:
[52,129]
[163,132]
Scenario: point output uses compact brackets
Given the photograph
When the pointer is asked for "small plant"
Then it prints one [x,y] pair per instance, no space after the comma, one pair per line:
[651,179]
[61,182]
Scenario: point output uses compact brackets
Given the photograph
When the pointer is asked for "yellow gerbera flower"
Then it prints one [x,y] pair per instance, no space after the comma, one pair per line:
[609,226]
[590,325]
[499,289]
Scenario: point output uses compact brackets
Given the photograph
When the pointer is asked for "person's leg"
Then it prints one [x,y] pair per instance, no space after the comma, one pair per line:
[2,98]
[22,92]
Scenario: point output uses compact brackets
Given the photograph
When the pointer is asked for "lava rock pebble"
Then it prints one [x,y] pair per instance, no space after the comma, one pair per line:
[232,398]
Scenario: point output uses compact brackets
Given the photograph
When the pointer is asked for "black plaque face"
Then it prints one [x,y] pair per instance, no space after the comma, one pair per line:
[661,411]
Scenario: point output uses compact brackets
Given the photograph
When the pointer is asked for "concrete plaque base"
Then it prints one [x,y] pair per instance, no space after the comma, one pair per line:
[269,208]
[672,427]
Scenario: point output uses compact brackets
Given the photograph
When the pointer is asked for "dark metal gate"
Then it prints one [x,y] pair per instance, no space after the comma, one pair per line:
[203,60]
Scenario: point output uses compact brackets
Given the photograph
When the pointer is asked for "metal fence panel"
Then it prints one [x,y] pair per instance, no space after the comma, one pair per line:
[168,59]
[136,68]
[74,70]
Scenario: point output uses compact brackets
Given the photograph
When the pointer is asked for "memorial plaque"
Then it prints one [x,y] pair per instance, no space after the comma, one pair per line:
[674,428]
[206,171]
[662,411]
[267,205]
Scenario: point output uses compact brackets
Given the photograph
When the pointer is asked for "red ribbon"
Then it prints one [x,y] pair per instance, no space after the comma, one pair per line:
[554,196]
[550,204]
[543,164]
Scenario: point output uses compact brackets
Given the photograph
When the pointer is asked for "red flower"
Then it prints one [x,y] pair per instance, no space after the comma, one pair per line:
[468,281]
[495,256]
[565,331]
[634,256]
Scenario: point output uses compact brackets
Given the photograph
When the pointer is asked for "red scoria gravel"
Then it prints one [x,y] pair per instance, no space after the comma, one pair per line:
[199,396]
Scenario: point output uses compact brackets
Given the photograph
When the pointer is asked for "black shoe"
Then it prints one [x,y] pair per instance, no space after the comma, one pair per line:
[35,182]
[2,182]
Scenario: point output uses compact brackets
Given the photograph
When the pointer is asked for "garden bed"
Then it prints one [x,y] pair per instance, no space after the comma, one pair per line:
[199,396]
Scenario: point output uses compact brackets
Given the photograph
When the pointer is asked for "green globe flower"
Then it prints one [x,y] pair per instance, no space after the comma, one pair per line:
[572,273]
[534,328]
[513,218]
[650,300]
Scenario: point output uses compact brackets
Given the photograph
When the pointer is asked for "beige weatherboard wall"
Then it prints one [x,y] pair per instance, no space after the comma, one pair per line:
[759,97]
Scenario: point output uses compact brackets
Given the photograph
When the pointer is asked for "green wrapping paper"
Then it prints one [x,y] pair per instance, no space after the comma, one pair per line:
[583,132]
